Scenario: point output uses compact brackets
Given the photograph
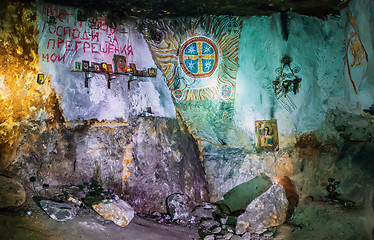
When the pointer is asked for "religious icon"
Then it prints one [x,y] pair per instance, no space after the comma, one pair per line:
[41,78]
[110,68]
[120,63]
[95,67]
[104,67]
[267,135]
[77,66]
[85,66]
[152,72]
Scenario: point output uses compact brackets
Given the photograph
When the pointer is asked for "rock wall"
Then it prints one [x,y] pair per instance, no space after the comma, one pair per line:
[143,161]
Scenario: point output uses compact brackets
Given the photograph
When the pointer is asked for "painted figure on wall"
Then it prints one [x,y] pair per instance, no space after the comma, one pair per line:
[356,54]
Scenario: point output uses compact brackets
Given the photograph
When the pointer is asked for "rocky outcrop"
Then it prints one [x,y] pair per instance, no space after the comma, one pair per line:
[12,193]
[143,161]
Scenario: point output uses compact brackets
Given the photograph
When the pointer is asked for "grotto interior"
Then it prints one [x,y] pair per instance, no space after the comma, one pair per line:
[187,119]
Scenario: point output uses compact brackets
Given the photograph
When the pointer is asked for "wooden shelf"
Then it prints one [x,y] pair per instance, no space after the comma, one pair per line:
[109,76]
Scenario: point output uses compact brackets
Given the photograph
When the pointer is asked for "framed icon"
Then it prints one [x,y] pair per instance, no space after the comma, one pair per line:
[120,63]
[41,78]
[104,67]
[95,67]
[152,72]
[85,66]
[77,66]
[110,68]
[266,135]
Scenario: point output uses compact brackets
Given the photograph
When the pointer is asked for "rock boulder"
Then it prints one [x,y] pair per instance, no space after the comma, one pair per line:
[120,212]
[58,211]
[265,211]
[12,193]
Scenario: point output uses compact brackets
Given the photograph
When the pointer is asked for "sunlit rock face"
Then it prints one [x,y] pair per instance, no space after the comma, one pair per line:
[21,98]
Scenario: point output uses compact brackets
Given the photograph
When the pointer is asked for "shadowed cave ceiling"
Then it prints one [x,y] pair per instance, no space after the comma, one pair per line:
[180,8]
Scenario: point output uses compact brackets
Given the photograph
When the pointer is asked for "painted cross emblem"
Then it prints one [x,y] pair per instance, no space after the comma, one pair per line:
[226,91]
[198,57]
[232,27]
[178,94]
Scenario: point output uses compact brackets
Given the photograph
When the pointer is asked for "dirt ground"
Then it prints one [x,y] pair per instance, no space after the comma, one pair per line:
[15,224]
[312,221]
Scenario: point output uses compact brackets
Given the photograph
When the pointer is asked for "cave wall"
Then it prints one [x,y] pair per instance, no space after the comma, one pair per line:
[323,131]
[62,133]
[66,133]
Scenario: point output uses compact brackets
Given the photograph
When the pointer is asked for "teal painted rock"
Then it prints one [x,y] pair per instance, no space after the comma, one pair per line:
[238,198]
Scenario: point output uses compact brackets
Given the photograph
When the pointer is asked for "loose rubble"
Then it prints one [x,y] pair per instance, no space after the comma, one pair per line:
[119,211]
[58,211]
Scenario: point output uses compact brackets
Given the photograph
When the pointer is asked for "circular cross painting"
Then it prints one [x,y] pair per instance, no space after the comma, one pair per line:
[198,57]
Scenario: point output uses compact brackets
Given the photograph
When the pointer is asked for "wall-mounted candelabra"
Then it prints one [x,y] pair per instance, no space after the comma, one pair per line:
[285,82]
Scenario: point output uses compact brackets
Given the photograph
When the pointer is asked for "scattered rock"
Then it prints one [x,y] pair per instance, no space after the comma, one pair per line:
[267,234]
[223,220]
[207,225]
[58,211]
[201,212]
[120,212]
[267,210]
[227,236]
[216,230]
[156,214]
[209,237]
[177,207]
[209,206]
[12,193]
[235,237]
[246,236]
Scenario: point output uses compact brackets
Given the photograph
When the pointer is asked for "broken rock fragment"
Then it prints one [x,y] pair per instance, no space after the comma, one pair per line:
[177,206]
[58,211]
[265,211]
[119,212]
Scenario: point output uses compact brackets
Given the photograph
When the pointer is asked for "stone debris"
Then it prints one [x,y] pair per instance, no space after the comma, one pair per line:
[202,212]
[119,211]
[209,237]
[12,193]
[177,207]
[216,229]
[58,211]
[267,210]
[216,221]
[207,225]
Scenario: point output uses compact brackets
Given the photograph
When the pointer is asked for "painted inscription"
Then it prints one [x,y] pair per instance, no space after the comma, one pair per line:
[67,34]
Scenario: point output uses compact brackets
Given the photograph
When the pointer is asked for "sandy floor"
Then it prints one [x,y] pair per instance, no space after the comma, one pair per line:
[15,224]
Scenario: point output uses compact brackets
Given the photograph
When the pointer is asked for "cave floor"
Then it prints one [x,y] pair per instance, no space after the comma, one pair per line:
[312,220]
[16,224]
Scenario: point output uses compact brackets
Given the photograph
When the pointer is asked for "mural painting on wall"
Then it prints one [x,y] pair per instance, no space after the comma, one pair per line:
[63,33]
[356,54]
[266,135]
[198,56]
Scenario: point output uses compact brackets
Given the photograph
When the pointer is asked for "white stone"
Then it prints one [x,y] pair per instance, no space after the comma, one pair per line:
[267,210]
